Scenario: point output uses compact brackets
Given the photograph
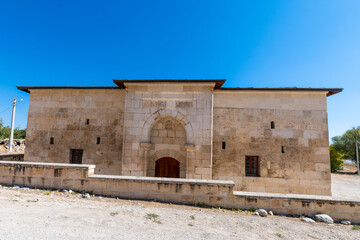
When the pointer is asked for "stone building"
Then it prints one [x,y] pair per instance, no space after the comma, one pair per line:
[264,139]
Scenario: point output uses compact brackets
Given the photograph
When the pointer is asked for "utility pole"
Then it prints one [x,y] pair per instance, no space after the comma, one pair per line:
[12,124]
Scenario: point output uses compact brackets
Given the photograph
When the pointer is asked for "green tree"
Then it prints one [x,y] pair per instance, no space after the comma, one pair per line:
[345,144]
[5,132]
[19,133]
[336,161]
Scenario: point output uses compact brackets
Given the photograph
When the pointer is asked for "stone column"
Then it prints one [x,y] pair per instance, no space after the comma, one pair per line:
[189,157]
[145,147]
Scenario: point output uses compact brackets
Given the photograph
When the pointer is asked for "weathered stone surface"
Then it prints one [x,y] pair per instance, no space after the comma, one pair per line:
[144,122]
[262,212]
[308,220]
[324,218]
[86,195]
[62,115]
[270,213]
[243,121]
[345,222]
[256,213]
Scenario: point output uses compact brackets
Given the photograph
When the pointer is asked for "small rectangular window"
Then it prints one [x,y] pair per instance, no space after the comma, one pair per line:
[51,140]
[87,121]
[76,156]
[282,149]
[223,145]
[98,140]
[252,166]
[272,125]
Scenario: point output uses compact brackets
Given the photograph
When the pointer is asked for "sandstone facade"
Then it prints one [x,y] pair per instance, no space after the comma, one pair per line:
[207,130]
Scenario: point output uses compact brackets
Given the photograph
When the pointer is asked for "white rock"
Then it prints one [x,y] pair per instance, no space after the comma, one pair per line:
[70,191]
[324,218]
[86,195]
[345,222]
[263,212]
[308,220]
[256,213]
[270,213]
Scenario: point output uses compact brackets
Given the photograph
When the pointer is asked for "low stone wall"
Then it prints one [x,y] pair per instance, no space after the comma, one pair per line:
[82,177]
[284,185]
[188,191]
[297,204]
[47,175]
[12,157]
[185,191]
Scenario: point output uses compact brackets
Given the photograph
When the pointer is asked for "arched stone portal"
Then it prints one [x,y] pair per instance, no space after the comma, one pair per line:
[167,167]
[167,139]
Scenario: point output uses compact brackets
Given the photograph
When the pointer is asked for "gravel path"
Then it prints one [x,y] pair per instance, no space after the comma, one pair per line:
[32,214]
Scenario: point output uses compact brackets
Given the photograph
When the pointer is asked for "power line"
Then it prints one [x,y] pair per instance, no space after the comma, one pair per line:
[19,124]
[6,109]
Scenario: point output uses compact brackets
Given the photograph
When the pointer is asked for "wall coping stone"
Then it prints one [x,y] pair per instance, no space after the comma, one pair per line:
[298,197]
[163,180]
[11,155]
[46,165]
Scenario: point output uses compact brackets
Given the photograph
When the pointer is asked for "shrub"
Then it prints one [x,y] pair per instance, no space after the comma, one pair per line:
[336,161]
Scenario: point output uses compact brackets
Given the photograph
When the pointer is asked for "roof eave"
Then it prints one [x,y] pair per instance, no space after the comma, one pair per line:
[24,89]
[28,88]
[121,83]
[330,91]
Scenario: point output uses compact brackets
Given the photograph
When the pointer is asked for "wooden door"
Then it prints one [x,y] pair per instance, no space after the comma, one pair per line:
[167,167]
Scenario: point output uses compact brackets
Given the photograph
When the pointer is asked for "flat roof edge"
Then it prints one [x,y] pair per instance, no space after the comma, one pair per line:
[331,91]
[218,82]
[218,86]
[27,89]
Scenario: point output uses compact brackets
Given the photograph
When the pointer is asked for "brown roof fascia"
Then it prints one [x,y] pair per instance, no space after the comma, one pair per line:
[218,85]
[331,91]
[27,89]
[218,82]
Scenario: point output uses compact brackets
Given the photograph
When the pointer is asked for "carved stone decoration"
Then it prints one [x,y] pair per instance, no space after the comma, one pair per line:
[168,125]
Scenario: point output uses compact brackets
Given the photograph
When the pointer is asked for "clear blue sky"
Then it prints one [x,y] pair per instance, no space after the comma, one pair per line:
[303,43]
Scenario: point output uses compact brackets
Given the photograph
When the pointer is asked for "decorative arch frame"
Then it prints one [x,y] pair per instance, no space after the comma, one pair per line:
[161,113]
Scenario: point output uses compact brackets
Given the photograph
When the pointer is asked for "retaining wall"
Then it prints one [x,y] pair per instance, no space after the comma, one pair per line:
[12,157]
[298,204]
[186,191]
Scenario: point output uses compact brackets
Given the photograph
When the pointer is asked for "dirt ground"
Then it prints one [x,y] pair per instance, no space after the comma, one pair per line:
[4,150]
[345,186]
[16,149]
[39,214]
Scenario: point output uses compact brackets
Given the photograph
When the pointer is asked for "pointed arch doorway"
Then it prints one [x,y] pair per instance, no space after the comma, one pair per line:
[167,167]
